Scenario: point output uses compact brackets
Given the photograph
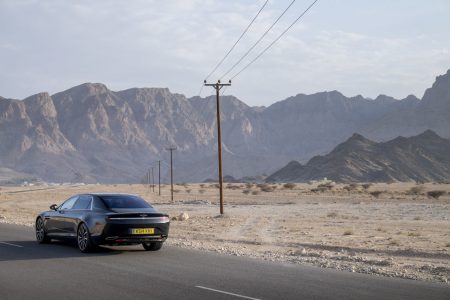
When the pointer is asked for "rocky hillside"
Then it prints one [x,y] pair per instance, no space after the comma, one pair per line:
[425,157]
[92,134]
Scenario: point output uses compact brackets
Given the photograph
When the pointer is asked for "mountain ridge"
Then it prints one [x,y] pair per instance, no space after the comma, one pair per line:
[424,157]
[90,133]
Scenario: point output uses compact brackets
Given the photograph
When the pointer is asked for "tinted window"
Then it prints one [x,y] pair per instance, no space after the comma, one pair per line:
[98,203]
[83,202]
[69,203]
[124,201]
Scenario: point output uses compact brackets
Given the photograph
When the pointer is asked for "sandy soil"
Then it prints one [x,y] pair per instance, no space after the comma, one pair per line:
[396,234]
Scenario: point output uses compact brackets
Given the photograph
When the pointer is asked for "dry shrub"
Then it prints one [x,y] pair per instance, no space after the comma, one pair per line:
[188,191]
[201,191]
[447,245]
[351,187]
[415,190]
[289,186]
[435,194]
[332,214]
[366,186]
[325,186]
[267,189]
[249,185]
[256,193]
[202,185]
[376,194]
[415,234]
[394,243]
[348,232]
[247,191]
[417,218]
[176,191]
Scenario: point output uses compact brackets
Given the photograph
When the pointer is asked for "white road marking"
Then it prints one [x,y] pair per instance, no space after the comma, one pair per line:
[9,244]
[224,292]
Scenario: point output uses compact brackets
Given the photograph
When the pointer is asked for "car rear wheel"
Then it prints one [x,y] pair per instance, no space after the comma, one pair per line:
[41,235]
[84,240]
[155,246]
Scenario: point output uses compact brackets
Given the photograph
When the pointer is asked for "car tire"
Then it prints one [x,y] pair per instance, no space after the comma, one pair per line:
[154,246]
[84,240]
[41,235]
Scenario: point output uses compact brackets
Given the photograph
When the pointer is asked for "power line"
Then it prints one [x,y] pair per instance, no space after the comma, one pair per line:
[234,45]
[229,51]
[259,40]
[271,44]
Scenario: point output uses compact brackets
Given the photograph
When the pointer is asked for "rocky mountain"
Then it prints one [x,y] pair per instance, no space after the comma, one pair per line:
[92,134]
[425,157]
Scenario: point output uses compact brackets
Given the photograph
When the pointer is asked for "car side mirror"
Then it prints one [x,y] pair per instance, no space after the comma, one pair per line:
[53,207]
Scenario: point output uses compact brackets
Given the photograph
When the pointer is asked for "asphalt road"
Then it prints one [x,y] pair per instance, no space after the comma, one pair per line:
[60,271]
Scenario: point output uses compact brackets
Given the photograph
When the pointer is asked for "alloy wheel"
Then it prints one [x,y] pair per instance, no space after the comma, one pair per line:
[40,230]
[82,237]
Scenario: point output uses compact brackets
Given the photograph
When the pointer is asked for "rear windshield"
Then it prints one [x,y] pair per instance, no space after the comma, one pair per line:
[124,201]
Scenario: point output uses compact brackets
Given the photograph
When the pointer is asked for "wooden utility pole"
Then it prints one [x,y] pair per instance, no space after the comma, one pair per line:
[217,86]
[171,171]
[159,177]
[153,181]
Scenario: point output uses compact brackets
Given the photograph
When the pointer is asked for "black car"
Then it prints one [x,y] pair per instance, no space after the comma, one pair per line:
[104,219]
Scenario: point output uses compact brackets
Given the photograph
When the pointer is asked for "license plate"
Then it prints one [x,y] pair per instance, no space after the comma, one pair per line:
[142,230]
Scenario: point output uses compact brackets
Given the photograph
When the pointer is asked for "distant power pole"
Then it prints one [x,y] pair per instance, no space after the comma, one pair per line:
[171,171]
[159,176]
[148,178]
[153,181]
[217,86]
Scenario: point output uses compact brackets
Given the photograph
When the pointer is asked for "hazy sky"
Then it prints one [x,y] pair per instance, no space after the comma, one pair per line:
[355,46]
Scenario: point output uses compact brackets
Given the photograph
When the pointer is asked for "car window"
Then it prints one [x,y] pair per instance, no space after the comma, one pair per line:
[98,203]
[68,204]
[124,201]
[83,202]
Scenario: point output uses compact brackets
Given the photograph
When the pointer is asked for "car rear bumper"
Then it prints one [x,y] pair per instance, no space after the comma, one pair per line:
[118,232]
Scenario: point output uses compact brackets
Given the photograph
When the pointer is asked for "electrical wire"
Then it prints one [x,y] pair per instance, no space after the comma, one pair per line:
[229,51]
[234,45]
[271,44]
[258,41]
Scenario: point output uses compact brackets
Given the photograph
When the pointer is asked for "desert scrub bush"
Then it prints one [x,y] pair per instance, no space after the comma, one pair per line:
[332,214]
[267,189]
[447,245]
[256,193]
[188,191]
[394,243]
[201,191]
[325,186]
[202,185]
[415,234]
[351,187]
[417,218]
[247,191]
[249,185]
[366,186]
[289,186]
[176,191]
[435,194]
[376,194]
[415,190]
[348,232]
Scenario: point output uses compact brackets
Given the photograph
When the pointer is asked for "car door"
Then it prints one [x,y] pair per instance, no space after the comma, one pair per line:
[75,214]
[61,216]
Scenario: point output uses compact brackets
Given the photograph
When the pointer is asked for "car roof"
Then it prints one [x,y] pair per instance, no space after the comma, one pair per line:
[110,194]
